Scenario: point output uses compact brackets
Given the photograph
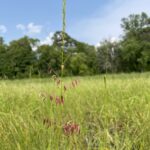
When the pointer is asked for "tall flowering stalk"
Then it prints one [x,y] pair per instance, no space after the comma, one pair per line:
[63,42]
[69,128]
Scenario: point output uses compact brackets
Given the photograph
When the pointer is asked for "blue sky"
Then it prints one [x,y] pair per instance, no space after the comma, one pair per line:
[89,21]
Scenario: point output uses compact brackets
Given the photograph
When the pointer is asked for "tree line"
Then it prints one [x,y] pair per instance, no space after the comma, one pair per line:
[130,54]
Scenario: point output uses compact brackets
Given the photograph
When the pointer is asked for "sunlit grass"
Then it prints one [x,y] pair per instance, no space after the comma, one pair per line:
[116,117]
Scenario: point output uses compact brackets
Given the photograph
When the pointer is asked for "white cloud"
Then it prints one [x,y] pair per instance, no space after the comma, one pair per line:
[3,29]
[21,27]
[48,40]
[97,45]
[30,29]
[34,29]
[106,24]
[113,39]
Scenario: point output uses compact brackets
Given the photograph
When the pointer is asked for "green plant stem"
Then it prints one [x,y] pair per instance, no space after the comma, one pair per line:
[63,42]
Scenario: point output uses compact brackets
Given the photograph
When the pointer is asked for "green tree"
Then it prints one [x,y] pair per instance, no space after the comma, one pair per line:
[108,56]
[49,57]
[78,64]
[135,44]
[73,50]
[3,57]
[21,58]
[135,22]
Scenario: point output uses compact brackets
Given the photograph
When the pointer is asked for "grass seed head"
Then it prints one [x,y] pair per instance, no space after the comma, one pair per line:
[71,128]
[59,100]
[51,97]
[65,88]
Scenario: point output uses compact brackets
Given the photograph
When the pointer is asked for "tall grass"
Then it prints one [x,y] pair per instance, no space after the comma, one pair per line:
[114,118]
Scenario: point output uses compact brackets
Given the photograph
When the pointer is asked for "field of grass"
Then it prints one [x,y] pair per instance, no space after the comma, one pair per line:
[113,118]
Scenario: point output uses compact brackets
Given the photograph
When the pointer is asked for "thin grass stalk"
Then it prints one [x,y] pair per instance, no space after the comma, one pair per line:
[63,42]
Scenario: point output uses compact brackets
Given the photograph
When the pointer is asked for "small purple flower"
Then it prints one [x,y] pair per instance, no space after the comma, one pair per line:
[71,128]
[59,100]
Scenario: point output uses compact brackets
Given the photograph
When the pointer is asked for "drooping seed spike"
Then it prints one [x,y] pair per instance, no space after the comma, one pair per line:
[65,88]
[51,97]
[71,128]
[62,99]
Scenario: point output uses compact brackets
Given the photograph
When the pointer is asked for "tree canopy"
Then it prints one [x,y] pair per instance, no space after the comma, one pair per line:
[19,59]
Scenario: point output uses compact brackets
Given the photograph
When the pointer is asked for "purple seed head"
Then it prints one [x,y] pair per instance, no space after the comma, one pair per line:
[62,99]
[51,97]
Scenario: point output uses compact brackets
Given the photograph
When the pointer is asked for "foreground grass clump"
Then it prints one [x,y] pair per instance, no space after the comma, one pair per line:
[114,118]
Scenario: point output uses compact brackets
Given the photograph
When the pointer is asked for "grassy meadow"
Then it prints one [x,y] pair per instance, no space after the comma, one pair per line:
[115,117]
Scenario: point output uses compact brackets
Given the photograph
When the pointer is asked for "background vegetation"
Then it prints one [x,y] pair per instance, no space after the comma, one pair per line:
[130,54]
[116,118]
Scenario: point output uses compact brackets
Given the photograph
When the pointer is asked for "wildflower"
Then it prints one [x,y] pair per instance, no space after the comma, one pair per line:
[51,97]
[62,99]
[71,128]
[59,100]
[65,88]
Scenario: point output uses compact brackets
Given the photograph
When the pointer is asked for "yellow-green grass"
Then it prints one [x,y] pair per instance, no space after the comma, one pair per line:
[113,118]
